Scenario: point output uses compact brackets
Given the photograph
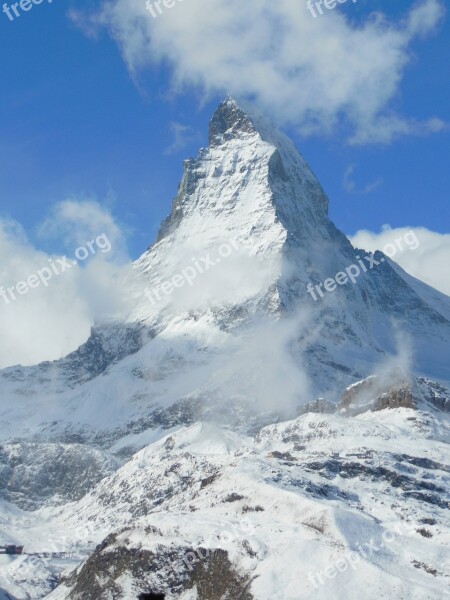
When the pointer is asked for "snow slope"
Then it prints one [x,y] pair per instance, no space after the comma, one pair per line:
[284,509]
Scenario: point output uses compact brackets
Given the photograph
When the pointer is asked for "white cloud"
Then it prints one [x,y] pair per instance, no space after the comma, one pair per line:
[428,262]
[351,187]
[312,73]
[182,136]
[76,223]
[46,322]
[424,18]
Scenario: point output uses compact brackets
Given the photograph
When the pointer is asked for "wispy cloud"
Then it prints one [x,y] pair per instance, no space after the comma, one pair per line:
[351,187]
[50,321]
[182,136]
[311,73]
[429,261]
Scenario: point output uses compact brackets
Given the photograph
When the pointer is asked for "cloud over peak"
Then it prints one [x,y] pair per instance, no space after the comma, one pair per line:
[309,72]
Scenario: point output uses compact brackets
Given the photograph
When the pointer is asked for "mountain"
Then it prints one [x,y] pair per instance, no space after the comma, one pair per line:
[226,390]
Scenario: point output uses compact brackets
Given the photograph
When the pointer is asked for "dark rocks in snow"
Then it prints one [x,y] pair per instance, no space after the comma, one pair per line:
[166,571]
[376,393]
[396,398]
[208,480]
[425,567]
[229,121]
[422,490]
[248,509]
[281,456]
[393,390]
[233,497]
[106,346]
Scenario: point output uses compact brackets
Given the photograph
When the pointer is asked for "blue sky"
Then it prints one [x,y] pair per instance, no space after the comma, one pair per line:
[75,124]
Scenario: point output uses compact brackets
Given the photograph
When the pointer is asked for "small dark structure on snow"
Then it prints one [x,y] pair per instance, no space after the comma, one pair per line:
[11,549]
[151,596]
[367,454]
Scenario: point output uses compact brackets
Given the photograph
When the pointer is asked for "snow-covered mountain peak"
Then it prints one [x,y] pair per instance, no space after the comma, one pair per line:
[250,196]
[251,178]
[250,226]
[228,122]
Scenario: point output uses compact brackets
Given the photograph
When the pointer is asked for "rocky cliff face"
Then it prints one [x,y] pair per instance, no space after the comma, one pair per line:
[391,390]
[32,475]
[115,562]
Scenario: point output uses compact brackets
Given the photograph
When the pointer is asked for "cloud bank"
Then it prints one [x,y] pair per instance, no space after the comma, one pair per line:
[309,73]
[49,321]
[428,262]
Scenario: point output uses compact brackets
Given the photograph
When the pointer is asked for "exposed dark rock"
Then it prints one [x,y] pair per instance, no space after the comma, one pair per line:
[211,573]
[320,406]
[106,345]
[435,394]
[416,488]
[247,509]
[375,393]
[425,567]
[428,521]
[229,121]
[216,579]
[395,398]
[424,532]
[233,497]
[424,463]
[394,390]
[208,481]
[281,455]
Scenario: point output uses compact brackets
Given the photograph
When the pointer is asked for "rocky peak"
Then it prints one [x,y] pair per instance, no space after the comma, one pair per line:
[251,175]
[229,121]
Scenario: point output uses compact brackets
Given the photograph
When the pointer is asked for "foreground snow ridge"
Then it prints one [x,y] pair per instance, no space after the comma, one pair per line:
[290,513]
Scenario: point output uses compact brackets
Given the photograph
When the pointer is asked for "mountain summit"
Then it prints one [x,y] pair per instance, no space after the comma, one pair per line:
[251,185]
[234,177]
[229,121]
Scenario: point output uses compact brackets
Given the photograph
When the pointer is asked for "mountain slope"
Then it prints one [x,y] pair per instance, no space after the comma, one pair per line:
[367,496]
[252,198]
